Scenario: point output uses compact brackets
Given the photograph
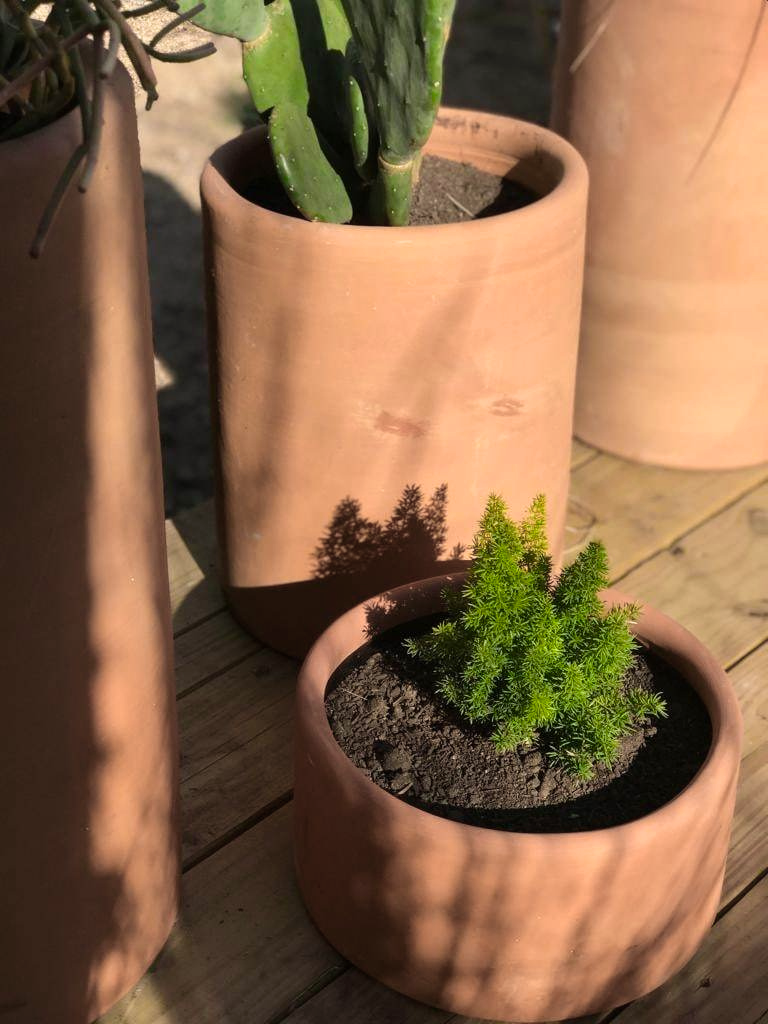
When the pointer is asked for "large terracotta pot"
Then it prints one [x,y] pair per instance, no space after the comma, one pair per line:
[665,100]
[350,363]
[505,925]
[89,858]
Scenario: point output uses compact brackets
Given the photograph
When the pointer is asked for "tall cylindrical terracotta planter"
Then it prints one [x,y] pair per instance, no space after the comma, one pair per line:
[508,925]
[666,102]
[351,363]
[89,856]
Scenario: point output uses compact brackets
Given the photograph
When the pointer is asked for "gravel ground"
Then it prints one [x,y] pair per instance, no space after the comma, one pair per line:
[498,59]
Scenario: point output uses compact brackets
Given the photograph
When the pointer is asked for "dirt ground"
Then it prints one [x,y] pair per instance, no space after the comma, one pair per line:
[498,59]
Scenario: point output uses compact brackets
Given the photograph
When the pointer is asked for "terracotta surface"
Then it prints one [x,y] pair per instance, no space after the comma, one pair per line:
[504,925]
[89,858]
[674,352]
[350,362]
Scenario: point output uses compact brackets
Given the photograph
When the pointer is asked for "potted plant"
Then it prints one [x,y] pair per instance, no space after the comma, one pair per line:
[361,345]
[508,803]
[90,861]
[673,365]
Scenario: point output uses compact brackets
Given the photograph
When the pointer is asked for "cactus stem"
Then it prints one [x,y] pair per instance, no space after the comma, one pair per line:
[252,44]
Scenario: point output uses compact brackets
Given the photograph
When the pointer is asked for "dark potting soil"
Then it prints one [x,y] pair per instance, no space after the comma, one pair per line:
[386,717]
[447,192]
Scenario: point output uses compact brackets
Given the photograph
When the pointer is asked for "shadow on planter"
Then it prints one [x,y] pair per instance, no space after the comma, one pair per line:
[355,558]
[464,981]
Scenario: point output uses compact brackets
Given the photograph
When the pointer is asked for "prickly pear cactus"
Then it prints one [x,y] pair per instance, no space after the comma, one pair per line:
[241,19]
[350,90]
[401,44]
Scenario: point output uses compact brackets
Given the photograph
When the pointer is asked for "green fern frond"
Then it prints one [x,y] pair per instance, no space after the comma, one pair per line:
[527,653]
[533,528]
[643,706]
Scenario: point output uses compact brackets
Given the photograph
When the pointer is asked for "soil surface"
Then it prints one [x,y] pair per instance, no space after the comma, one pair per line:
[447,193]
[386,717]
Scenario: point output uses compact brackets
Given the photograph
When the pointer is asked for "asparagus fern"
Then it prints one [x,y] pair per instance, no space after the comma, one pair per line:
[537,656]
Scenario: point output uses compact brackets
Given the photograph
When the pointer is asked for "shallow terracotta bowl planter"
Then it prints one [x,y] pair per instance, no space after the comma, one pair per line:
[350,362]
[504,925]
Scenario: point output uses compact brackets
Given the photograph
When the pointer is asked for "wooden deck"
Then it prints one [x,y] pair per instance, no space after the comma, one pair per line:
[244,951]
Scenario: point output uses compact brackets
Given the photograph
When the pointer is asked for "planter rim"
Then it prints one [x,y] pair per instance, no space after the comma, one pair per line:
[40,134]
[719,700]
[73,113]
[220,194]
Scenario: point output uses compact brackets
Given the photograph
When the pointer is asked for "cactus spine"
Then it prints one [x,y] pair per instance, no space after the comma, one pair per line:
[350,90]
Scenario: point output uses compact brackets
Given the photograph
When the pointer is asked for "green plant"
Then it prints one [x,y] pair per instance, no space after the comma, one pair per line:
[531,654]
[43,73]
[350,89]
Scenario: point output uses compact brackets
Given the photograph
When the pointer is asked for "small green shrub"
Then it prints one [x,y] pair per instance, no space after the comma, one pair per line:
[531,654]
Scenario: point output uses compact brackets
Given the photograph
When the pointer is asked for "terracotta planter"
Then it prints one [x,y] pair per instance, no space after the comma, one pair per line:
[504,925]
[89,858]
[673,365]
[350,363]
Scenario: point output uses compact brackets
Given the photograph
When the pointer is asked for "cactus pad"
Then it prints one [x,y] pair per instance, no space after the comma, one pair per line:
[242,19]
[401,46]
[308,177]
[350,88]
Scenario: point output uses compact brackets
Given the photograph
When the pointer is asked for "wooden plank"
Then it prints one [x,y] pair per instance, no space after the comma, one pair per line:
[638,510]
[243,946]
[748,854]
[749,842]
[234,789]
[750,679]
[208,649]
[581,452]
[191,549]
[235,747]
[355,998]
[714,579]
[222,716]
[726,982]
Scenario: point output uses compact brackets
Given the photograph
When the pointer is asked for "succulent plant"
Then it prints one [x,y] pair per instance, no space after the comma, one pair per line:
[350,90]
[43,72]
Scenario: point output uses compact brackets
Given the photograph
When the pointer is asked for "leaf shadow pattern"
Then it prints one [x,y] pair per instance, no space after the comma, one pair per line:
[415,532]
[355,559]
